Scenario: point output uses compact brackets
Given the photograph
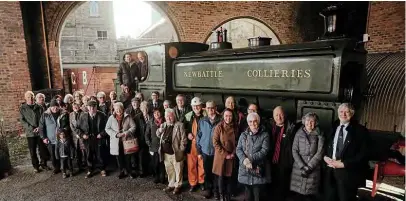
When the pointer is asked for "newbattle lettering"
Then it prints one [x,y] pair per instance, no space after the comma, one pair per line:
[252,74]
[204,74]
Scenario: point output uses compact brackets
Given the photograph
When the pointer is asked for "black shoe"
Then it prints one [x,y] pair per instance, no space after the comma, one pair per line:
[142,175]
[192,188]
[121,175]
[56,171]
[45,167]
[207,194]
[36,170]
[202,188]
[88,175]
[156,181]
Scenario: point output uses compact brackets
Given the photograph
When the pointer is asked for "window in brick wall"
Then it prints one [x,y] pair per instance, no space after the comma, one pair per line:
[94,9]
[91,46]
[102,35]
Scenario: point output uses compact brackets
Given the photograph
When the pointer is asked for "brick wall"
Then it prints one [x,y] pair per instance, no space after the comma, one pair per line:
[195,20]
[386,26]
[14,74]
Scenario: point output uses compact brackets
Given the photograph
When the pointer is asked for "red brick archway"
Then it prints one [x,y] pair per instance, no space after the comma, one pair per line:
[56,14]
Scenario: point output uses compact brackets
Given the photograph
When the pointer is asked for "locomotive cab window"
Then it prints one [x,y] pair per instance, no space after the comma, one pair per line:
[138,60]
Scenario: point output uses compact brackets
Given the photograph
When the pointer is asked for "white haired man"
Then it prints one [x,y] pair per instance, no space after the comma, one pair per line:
[172,147]
[30,117]
[346,156]
[281,138]
[181,108]
[104,105]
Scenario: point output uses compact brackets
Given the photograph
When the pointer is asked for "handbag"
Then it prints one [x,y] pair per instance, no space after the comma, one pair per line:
[130,146]
[258,170]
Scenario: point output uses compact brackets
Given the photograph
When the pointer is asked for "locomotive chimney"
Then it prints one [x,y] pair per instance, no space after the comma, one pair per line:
[335,22]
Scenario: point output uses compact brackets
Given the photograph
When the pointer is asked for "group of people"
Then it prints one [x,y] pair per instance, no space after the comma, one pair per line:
[220,150]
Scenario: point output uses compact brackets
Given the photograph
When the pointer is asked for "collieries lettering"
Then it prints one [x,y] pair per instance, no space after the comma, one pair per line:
[279,73]
[203,74]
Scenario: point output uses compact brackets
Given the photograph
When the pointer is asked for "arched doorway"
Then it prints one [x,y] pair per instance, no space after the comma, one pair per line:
[240,29]
[92,33]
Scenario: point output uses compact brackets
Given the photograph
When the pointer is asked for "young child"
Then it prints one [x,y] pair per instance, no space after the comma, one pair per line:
[65,153]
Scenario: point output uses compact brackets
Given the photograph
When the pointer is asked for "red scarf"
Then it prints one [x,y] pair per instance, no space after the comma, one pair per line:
[120,121]
[158,122]
[275,158]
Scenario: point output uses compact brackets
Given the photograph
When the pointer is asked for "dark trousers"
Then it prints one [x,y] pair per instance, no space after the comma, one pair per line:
[298,196]
[158,167]
[224,184]
[255,192]
[340,187]
[94,154]
[140,161]
[33,144]
[280,186]
[55,162]
[209,177]
[66,163]
[123,160]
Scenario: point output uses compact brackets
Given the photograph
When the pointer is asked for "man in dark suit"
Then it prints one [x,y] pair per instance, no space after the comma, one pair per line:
[346,157]
[155,102]
[181,108]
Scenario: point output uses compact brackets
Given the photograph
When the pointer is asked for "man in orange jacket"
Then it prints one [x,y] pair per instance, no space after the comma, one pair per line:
[194,163]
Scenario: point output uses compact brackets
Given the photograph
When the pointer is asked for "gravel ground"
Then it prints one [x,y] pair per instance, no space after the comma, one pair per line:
[25,185]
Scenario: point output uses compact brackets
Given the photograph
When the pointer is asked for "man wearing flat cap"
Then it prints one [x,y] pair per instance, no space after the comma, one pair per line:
[91,129]
[52,120]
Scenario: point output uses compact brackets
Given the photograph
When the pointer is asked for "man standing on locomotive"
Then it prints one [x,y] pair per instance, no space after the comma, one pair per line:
[282,135]
[346,157]
[127,73]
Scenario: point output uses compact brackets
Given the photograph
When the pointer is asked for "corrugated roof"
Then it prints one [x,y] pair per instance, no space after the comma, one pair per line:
[385,107]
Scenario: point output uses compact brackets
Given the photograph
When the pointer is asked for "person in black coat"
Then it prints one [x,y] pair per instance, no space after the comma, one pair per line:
[142,157]
[282,133]
[128,73]
[152,140]
[91,128]
[155,102]
[346,157]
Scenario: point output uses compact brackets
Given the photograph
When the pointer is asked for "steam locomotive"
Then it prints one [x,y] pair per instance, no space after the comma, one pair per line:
[313,76]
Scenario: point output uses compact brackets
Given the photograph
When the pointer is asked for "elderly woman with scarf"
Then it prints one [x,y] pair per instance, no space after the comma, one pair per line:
[224,145]
[252,150]
[152,140]
[119,127]
[307,150]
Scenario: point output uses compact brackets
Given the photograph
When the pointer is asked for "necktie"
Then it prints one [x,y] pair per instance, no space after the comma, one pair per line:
[155,106]
[340,143]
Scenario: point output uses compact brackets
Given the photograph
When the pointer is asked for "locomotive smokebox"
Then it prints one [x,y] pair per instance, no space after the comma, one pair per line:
[335,22]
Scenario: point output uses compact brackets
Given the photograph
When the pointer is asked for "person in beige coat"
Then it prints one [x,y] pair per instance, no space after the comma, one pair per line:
[171,150]
[224,151]
[119,127]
